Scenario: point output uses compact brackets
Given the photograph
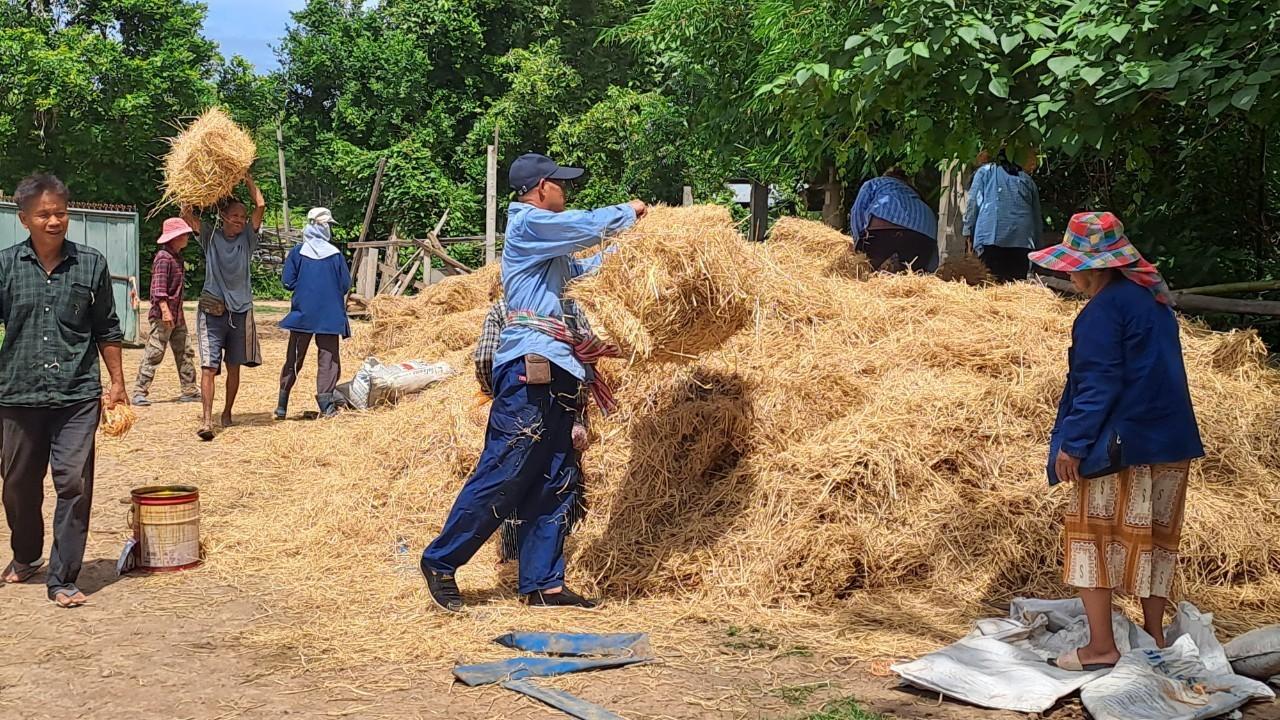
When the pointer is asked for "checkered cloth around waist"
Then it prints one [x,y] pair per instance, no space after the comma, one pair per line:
[587,347]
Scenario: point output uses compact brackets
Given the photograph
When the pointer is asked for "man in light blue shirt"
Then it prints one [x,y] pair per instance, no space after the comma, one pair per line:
[536,378]
[890,218]
[1003,220]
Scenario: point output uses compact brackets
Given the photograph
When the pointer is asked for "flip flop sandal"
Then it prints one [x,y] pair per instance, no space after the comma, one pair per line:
[67,593]
[205,433]
[1071,661]
[23,571]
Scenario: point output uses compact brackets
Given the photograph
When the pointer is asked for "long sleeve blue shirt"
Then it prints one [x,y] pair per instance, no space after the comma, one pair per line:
[1003,210]
[894,201]
[319,304]
[1126,385]
[537,263]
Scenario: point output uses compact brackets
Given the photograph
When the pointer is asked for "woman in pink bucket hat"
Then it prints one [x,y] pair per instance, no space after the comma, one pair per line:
[168,322]
[1125,434]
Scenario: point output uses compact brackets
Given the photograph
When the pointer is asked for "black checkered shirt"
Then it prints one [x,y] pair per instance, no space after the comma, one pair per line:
[53,324]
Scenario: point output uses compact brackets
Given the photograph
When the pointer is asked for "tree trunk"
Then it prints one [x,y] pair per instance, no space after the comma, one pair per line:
[833,200]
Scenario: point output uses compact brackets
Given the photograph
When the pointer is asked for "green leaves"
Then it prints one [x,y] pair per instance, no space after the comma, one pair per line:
[1245,97]
[1091,75]
[999,86]
[897,56]
[1009,42]
[1062,65]
[920,49]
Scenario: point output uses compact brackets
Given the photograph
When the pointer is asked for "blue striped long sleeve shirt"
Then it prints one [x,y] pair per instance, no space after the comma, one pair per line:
[893,201]
[1003,209]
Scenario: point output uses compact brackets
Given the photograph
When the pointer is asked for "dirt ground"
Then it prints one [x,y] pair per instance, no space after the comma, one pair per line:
[167,647]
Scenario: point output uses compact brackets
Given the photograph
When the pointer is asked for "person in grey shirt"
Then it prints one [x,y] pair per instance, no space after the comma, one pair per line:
[225,329]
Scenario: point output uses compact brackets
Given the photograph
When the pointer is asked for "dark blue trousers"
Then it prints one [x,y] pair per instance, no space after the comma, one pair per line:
[528,441]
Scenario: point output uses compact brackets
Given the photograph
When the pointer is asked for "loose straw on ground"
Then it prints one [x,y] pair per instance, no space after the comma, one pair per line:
[852,466]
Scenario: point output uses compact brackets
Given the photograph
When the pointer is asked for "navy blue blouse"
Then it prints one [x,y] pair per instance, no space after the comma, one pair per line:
[319,294]
[1126,390]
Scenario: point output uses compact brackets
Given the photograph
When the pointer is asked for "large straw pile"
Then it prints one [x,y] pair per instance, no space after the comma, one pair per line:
[207,160]
[868,474]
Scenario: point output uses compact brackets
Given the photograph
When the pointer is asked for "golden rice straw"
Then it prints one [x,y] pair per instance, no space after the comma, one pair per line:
[118,420]
[206,161]
[857,469]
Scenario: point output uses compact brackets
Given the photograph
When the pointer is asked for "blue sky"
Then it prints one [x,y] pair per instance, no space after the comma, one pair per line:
[249,27]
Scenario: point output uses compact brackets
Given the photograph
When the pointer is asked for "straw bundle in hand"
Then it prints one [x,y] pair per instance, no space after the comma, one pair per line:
[118,420]
[207,160]
[677,286]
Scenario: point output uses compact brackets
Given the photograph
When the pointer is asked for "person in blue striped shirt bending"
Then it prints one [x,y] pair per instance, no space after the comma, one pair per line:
[1003,221]
[890,218]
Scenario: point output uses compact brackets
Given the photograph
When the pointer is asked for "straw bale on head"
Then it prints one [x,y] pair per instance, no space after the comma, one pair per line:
[207,160]
[678,285]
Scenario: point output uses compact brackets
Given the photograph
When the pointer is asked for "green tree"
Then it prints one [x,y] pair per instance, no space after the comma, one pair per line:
[92,86]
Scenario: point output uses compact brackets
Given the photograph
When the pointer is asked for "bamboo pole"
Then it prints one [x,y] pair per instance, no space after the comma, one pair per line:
[1191,303]
[284,185]
[491,203]
[1250,286]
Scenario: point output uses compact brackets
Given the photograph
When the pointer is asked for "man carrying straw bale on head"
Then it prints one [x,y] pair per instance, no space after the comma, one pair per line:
[539,367]
[225,329]
[59,315]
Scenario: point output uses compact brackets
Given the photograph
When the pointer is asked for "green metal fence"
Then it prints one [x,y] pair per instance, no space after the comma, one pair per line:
[111,230]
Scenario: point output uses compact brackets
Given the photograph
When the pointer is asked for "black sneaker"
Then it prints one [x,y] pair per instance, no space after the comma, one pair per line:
[564,598]
[141,401]
[443,589]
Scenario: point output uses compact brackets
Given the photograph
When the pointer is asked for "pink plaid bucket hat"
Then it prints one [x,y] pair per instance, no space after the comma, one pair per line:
[1095,241]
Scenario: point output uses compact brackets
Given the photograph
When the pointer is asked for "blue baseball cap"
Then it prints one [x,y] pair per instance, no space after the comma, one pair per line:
[531,168]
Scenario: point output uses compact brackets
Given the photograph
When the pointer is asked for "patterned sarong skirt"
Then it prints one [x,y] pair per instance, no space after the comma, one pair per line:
[1122,531]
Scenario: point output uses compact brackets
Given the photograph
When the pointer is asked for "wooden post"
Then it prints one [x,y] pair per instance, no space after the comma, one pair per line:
[367,269]
[833,200]
[759,212]
[284,186]
[951,211]
[491,203]
[373,199]
[688,196]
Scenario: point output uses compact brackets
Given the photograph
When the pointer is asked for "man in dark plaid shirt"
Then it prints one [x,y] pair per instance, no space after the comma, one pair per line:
[486,348]
[57,308]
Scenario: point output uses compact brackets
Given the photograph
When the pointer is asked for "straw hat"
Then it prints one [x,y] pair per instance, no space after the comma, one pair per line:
[1093,241]
[173,227]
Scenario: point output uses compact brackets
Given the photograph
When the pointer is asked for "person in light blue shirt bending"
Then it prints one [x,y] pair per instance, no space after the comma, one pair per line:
[1003,222]
[890,218]
[539,366]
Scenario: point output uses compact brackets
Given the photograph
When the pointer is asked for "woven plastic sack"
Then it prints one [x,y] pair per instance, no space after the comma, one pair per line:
[1256,653]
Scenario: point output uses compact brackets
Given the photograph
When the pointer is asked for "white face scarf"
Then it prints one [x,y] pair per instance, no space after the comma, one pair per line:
[315,236]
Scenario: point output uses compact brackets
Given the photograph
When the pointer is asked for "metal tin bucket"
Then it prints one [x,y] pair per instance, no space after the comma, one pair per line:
[166,524]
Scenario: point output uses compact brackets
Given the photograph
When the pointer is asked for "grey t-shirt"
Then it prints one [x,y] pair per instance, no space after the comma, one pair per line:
[226,266]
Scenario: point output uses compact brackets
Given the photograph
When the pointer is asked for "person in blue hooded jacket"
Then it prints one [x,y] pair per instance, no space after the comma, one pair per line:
[1125,434]
[319,278]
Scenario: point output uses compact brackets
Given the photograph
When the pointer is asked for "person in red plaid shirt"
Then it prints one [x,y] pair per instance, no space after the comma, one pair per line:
[168,323]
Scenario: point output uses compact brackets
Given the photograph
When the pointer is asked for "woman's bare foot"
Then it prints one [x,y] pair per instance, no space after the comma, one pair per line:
[227,421]
[1090,656]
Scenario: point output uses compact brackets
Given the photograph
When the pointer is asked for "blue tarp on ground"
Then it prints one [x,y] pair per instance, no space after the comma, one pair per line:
[562,701]
[573,653]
